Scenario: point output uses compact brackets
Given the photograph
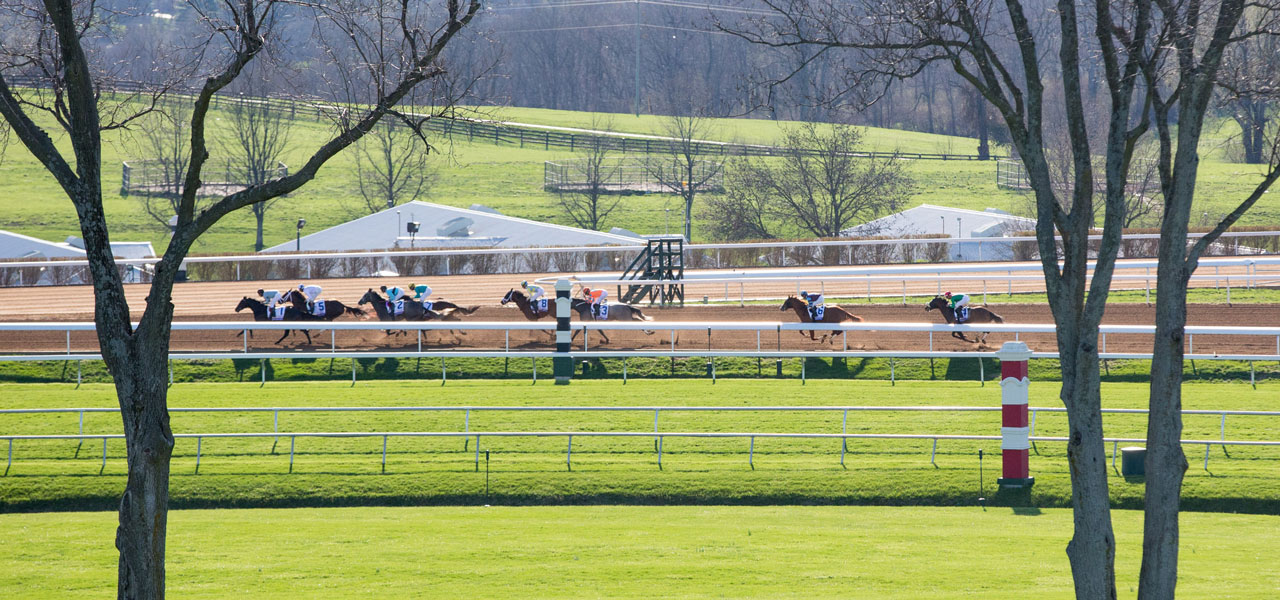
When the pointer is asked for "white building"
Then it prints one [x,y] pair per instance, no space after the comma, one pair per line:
[15,246]
[928,219]
[425,225]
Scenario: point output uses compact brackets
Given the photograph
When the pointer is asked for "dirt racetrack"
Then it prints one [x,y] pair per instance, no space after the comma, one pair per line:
[1258,315]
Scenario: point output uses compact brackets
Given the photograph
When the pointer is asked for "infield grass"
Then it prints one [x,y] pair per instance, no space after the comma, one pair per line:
[64,475]
[628,552]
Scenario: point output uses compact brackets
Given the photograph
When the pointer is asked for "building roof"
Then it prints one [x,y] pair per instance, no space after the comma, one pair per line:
[15,246]
[442,226]
[955,222]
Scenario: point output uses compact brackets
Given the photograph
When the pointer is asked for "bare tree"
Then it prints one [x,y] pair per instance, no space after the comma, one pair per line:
[1182,74]
[823,186]
[588,203]
[747,210]
[238,31]
[1159,65]
[1000,50]
[820,186]
[164,140]
[689,169]
[254,144]
[392,166]
[1250,85]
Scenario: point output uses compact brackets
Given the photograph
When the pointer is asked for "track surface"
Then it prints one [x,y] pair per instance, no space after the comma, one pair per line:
[693,340]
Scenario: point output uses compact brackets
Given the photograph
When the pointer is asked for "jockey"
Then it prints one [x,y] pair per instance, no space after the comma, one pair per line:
[310,292]
[420,292]
[394,293]
[535,293]
[596,298]
[957,301]
[816,302]
[272,297]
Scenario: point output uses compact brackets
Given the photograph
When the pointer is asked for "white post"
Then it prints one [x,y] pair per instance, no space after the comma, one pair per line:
[198,441]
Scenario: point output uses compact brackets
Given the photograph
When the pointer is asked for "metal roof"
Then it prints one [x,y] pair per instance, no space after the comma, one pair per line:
[955,222]
[442,226]
[16,245]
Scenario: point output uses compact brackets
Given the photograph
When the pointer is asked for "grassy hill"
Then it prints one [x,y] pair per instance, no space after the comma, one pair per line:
[510,179]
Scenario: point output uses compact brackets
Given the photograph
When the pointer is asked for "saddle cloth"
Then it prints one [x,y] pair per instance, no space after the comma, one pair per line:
[817,312]
[277,313]
[962,315]
[396,308]
[541,306]
[317,308]
[602,312]
[427,304]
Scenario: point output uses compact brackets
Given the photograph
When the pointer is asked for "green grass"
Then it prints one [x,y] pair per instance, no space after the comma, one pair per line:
[49,475]
[628,552]
[509,179]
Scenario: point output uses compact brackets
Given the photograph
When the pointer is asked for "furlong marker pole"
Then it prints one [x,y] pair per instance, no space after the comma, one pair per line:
[562,364]
[1015,432]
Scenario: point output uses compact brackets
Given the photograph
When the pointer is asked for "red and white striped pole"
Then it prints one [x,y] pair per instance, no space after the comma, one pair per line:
[1015,433]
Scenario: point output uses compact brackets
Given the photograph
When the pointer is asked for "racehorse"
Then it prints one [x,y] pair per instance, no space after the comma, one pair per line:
[332,308]
[530,312]
[412,311]
[440,305]
[259,309]
[617,312]
[830,314]
[977,314]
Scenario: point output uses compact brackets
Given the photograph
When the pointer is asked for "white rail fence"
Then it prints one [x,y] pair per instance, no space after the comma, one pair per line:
[656,410]
[759,327]
[569,435]
[761,350]
[610,258]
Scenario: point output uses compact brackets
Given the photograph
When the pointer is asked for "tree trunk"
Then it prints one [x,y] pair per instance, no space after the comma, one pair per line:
[980,108]
[1092,548]
[140,536]
[1166,464]
[259,214]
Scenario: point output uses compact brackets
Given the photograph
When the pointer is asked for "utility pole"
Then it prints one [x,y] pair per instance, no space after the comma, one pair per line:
[636,29]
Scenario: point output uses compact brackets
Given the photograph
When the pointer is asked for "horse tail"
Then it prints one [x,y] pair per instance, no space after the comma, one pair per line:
[642,317]
[467,311]
[352,310]
[996,318]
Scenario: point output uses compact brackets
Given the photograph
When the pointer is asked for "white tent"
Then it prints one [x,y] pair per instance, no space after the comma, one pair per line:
[439,226]
[954,222]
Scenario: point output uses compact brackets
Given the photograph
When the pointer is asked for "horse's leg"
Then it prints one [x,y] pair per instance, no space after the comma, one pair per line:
[286,334]
[308,334]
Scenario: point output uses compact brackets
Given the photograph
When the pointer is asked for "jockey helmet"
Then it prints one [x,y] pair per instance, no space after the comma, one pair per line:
[301,286]
[804,294]
[384,288]
[262,293]
[586,291]
[524,284]
[946,295]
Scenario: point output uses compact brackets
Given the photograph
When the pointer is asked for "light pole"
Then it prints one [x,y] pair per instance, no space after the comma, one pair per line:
[301,223]
[667,228]
[944,224]
[959,234]
[398,223]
